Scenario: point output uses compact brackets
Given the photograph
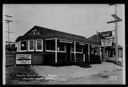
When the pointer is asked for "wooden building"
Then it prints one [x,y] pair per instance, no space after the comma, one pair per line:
[42,45]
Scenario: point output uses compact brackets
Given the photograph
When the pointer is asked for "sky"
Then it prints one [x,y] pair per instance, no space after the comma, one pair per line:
[79,19]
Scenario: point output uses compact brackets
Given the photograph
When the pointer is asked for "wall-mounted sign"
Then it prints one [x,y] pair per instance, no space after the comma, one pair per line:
[106,42]
[106,34]
[23,58]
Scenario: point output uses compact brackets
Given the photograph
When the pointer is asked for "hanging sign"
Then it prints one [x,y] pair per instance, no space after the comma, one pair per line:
[23,58]
[106,42]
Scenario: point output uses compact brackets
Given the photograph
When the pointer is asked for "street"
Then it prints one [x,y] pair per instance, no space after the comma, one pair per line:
[94,79]
[105,73]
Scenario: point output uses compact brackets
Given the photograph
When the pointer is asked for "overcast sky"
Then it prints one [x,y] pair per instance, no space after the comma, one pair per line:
[80,19]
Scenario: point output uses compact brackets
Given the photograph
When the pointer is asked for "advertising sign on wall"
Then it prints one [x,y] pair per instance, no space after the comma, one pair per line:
[106,34]
[23,58]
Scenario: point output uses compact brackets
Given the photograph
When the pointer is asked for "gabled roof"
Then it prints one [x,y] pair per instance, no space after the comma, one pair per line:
[95,39]
[50,33]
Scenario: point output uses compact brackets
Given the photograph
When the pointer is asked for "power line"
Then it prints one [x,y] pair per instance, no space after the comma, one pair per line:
[8,21]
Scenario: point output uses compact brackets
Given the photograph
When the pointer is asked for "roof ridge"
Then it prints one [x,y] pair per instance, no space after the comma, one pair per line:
[60,31]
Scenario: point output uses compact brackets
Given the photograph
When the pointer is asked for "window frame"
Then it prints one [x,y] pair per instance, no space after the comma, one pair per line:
[81,51]
[41,44]
[46,45]
[17,46]
[29,45]
[61,50]
[20,46]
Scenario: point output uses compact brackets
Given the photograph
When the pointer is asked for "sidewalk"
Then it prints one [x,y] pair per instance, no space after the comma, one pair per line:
[65,72]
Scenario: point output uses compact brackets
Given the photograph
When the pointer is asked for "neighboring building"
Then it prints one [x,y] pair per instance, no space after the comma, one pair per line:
[10,52]
[111,51]
[46,46]
[108,52]
[95,54]
[10,46]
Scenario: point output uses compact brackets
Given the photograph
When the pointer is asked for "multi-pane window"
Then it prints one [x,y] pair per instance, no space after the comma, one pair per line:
[79,48]
[31,45]
[61,46]
[37,33]
[50,44]
[39,45]
[23,45]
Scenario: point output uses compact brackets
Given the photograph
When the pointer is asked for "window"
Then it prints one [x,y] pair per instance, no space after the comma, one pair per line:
[61,46]
[95,51]
[79,48]
[37,33]
[72,48]
[50,44]
[39,45]
[23,45]
[31,45]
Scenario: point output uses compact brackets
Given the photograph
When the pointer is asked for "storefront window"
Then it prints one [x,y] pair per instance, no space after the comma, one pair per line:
[61,46]
[79,48]
[23,45]
[50,44]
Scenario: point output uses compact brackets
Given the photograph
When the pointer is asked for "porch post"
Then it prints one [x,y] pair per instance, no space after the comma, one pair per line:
[104,55]
[83,57]
[55,50]
[18,46]
[107,54]
[83,53]
[75,51]
[100,55]
[89,52]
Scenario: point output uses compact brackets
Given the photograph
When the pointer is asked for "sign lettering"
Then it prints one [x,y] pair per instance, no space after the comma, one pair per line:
[106,34]
[23,59]
[106,42]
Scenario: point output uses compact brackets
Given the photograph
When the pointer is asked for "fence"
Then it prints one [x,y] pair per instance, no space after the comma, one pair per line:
[10,58]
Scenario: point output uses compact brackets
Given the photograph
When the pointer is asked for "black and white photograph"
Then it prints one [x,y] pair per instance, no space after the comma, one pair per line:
[63,44]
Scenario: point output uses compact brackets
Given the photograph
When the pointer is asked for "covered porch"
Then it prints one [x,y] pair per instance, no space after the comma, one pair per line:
[62,51]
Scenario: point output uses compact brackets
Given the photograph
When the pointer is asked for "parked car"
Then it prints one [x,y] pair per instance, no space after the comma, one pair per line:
[120,61]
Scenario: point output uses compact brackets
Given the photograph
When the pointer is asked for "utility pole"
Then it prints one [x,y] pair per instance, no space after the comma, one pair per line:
[117,19]
[8,21]
[116,34]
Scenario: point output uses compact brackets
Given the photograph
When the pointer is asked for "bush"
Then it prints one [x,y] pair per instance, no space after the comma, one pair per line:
[20,72]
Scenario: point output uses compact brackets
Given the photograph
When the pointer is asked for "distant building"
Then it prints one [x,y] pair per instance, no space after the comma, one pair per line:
[108,52]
